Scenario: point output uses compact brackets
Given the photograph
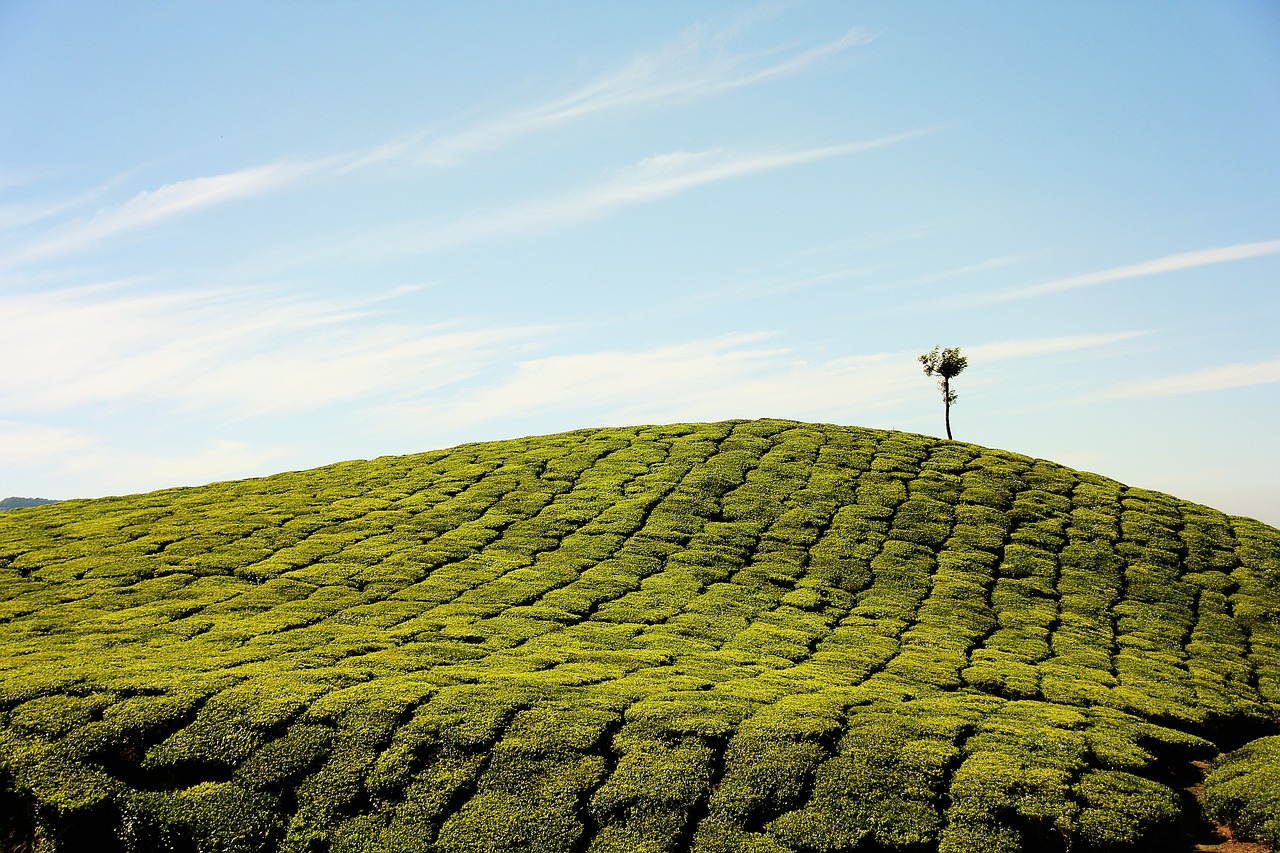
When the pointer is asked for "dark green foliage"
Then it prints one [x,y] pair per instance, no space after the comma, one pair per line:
[1243,788]
[15,502]
[744,636]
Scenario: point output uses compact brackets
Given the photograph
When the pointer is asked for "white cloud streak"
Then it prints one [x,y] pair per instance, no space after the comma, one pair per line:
[1158,266]
[1005,350]
[21,214]
[155,206]
[228,351]
[681,72]
[51,454]
[725,377]
[129,471]
[651,179]
[1220,378]
[24,445]
[961,272]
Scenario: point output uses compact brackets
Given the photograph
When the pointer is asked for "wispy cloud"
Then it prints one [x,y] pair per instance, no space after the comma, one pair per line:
[692,68]
[668,174]
[235,352]
[10,178]
[724,377]
[153,207]
[663,377]
[130,471]
[25,444]
[741,291]
[1003,350]
[1219,378]
[67,453]
[1159,266]
[695,66]
[970,269]
[649,180]
[21,214]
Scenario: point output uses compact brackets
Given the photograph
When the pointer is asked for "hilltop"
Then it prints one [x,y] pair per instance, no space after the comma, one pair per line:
[740,636]
[15,502]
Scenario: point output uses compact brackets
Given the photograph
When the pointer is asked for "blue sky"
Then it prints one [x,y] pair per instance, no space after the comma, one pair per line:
[239,238]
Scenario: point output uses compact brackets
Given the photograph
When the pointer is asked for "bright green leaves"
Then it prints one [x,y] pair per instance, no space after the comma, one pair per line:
[535,783]
[747,636]
[647,801]
[1120,810]
[884,786]
[210,817]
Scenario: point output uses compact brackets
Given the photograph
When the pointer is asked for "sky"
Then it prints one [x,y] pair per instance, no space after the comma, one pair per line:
[240,238]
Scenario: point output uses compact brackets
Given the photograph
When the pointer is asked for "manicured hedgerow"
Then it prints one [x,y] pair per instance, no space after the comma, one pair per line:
[739,636]
[1243,788]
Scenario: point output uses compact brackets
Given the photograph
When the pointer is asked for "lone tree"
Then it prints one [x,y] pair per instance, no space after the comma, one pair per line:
[945,364]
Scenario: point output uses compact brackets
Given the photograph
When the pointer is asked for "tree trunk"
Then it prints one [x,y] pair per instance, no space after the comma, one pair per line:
[946,399]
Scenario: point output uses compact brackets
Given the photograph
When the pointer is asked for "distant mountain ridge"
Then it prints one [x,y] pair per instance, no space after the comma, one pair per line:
[15,503]
[736,637]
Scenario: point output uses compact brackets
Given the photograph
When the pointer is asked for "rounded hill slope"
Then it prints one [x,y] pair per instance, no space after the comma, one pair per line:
[758,636]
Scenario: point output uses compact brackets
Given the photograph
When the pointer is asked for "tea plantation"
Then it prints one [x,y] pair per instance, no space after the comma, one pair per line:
[758,636]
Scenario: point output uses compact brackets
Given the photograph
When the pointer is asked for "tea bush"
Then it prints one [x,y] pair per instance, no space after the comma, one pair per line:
[1243,788]
[740,636]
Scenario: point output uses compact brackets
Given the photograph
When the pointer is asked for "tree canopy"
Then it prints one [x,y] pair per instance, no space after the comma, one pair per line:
[945,364]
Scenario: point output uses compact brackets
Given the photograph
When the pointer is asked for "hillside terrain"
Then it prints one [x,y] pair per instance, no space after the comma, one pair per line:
[15,502]
[758,636]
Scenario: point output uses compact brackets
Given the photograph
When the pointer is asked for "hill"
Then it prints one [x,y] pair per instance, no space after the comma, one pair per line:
[15,503]
[742,636]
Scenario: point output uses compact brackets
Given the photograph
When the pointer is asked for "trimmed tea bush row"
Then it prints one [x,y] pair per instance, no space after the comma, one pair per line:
[740,636]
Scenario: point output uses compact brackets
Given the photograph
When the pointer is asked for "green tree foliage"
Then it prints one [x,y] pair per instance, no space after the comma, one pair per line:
[740,636]
[946,364]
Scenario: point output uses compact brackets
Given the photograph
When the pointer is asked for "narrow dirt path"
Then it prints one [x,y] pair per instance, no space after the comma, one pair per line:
[1218,837]
[1230,845]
